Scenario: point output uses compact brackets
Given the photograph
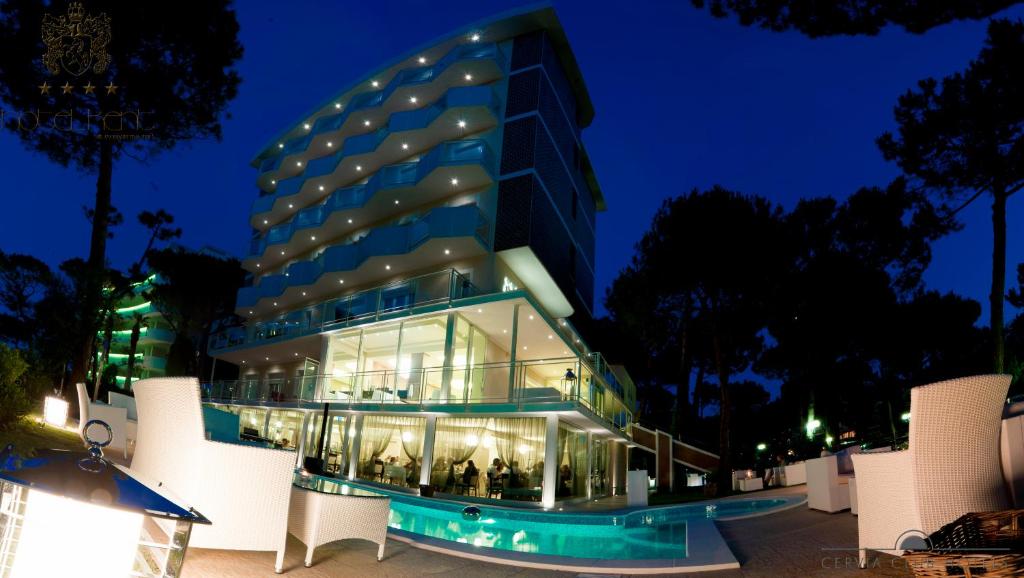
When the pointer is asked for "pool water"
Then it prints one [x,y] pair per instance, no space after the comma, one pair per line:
[654,534]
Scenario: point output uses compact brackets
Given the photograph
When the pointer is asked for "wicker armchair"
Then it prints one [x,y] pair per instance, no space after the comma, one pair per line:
[951,468]
[244,490]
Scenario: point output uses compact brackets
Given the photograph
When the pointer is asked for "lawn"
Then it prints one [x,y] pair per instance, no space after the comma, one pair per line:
[30,434]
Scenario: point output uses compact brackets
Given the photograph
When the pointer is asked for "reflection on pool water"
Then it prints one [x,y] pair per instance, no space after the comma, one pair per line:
[655,534]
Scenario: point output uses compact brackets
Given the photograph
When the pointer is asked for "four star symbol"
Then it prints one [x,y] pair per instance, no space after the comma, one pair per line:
[68,88]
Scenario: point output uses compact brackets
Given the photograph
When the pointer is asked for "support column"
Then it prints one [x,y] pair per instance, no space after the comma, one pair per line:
[428,450]
[353,460]
[449,358]
[345,453]
[512,352]
[303,435]
[590,466]
[547,499]
[326,369]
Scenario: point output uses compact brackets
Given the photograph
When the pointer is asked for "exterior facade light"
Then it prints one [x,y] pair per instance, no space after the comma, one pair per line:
[905,417]
[762,447]
[337,105]
[298,163]
[475,38]
[55,411]
[412,99]
[828,440]
[462,124]
[330,144]
[421,60]
[306,126]
[366,123]
[405,146]
[280,145]
[82,495]
[812,425]
[469,77]
[374,83]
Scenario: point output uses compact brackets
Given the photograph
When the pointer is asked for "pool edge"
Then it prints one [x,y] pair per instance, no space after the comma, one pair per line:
[710,553]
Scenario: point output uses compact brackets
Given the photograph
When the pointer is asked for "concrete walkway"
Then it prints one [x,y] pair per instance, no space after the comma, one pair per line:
[794,542]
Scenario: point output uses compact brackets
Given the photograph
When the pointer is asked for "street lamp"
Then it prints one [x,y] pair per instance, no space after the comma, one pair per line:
[65,513]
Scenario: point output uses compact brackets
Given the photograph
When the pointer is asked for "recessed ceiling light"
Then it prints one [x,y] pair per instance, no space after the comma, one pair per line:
[504,330]
[267,358]
[359,167]
[366,123]
[421,60]
[447,252]
[321,187]
[388,267]
[275,303]
[330,144]
[273,181]
[337,105]
[282,252]
[298,163]
[396,201]
[296,354]
[350,221]
[551,336]
[469,77]
[250,312]
[291,206]
[312,237]
[374,83]
[455,181]
[265,221]
[531,318]
[412,99]
[341,280]
[524,348]
[280,145]
[462,124]
[257,265]
[306,126]
[303,293]
[405,146]
[475,38]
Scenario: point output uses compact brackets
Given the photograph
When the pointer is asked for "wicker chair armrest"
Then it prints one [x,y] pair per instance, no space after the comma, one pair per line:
[885,498]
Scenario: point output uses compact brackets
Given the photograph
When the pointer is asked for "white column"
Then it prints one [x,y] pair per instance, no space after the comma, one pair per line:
[428,450]
[547,499]
[303,434]
[590,466]
[326,367]
[353,458]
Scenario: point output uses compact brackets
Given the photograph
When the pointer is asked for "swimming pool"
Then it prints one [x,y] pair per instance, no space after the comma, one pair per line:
[673,536]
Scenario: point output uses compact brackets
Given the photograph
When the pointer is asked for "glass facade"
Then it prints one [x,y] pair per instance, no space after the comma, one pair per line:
[499,458]
[391,449]
[572,463]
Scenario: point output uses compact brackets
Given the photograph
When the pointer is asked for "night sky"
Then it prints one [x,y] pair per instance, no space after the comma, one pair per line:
[683,100]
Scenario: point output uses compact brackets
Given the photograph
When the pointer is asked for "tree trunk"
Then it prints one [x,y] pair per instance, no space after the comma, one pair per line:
[682,388]
[724,462]
[698,393]
[108,335]
[132,347]
[997,295]
[93,282]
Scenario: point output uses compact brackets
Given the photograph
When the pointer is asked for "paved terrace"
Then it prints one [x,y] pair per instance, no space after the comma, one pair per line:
[789,543]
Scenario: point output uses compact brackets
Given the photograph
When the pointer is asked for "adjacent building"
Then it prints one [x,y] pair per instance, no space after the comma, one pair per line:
[423,242]
[154,341]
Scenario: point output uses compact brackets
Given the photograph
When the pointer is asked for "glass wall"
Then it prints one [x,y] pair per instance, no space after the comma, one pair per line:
[572,463]
[391,449]
[252,421]
[599,482]
[285,427]
[500,458]
[422,348]
[337,442]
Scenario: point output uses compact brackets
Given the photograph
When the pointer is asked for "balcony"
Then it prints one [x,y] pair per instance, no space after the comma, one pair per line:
[443,70]
[123,337]
[464,222]
[440,288]
[511,387]
[422,181]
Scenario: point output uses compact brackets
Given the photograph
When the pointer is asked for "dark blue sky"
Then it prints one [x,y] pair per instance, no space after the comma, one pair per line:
[683,100]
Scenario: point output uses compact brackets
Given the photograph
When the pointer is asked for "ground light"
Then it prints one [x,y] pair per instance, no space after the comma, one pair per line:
[55,411]
[114,524]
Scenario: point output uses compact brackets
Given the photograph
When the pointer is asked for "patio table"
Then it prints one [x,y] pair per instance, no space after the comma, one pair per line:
[324,510]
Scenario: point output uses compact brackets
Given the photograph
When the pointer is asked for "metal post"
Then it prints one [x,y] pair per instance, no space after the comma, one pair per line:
[449,358]
[303,434]
[590,466]
[323,434]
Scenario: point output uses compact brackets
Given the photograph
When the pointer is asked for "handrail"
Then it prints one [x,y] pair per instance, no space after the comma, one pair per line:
[425,388]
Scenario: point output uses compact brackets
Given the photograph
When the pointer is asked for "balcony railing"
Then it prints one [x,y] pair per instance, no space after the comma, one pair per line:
[373,304]
[440,222]
[367,100]
[519,386]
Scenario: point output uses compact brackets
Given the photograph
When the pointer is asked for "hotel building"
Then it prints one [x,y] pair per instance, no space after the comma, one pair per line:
[422,242]
[154,340]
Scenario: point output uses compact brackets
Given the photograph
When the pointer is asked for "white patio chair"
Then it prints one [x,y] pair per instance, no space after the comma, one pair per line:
[827,490]
[122,429]
[951,467]
[243,490]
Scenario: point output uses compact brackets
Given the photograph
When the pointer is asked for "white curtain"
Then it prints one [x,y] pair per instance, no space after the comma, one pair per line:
[520,441]
[377,430]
